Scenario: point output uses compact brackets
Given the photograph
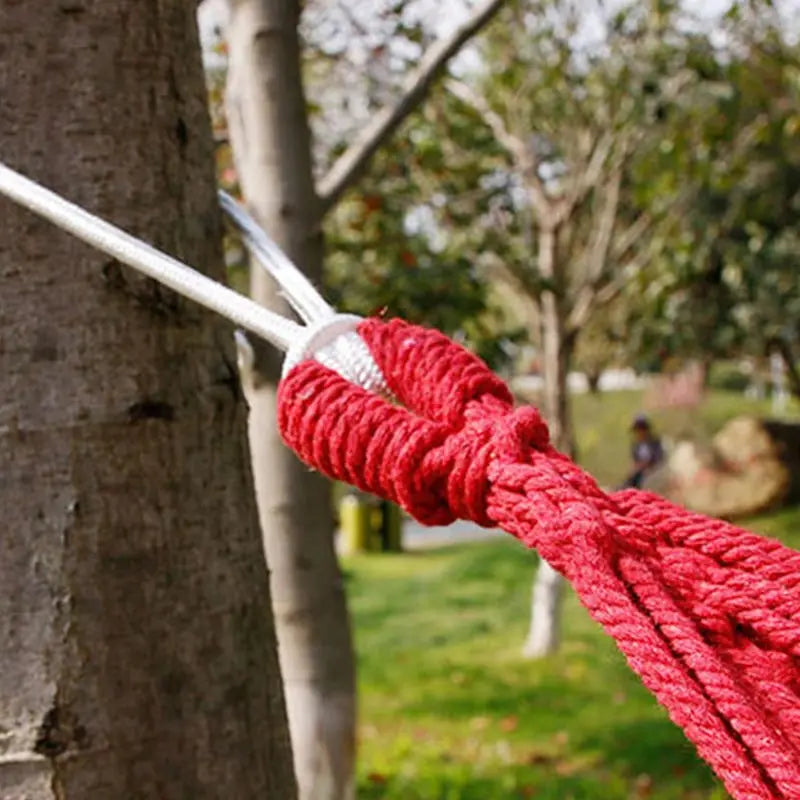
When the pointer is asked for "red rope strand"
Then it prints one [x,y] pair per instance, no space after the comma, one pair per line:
[707,614]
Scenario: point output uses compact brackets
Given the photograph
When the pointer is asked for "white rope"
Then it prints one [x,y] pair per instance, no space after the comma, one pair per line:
[330,338]
[135,253]
[300,292]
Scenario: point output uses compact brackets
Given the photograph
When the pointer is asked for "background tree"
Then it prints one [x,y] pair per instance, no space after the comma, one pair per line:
[139,655]
[407,225]
[726,286]
[573,115]
[268,122]
[535,178]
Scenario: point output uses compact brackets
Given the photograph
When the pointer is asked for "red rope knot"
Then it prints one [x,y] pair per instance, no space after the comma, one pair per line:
[472,411]
[433,457]
[520,432]
[454,474]
[707,614]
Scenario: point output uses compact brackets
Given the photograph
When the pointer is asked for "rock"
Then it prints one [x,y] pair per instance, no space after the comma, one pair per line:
[752,466]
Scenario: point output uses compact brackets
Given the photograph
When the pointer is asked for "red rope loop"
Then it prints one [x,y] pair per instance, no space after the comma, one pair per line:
[707,614]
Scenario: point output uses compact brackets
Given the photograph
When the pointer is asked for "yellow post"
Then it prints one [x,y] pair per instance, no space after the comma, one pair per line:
[355,521]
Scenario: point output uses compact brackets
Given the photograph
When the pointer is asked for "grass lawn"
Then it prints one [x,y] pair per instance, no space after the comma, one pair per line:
[450,710]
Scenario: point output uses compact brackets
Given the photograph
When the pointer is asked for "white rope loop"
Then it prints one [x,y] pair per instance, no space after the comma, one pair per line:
[330,338]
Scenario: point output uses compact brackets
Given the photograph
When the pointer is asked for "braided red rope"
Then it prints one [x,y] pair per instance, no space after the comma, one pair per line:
[707,614]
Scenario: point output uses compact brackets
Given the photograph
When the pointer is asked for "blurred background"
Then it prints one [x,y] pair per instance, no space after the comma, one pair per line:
[601,200]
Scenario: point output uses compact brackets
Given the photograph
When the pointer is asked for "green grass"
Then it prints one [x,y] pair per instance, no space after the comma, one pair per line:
[451,711]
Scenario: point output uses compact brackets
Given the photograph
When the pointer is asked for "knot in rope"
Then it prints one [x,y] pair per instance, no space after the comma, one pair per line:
[452,470]
[435,455]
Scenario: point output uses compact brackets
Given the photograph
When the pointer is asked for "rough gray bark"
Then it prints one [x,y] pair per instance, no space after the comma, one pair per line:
[138,652]
[271,142]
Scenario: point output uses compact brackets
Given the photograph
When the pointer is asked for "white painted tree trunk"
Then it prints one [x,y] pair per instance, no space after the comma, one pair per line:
[271,141]
[546,597]
[137,652]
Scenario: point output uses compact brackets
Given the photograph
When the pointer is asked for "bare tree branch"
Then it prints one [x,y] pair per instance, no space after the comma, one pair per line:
[593,174]
[597,255]
[628,237]
[586,306]
[521,154]
[349,166]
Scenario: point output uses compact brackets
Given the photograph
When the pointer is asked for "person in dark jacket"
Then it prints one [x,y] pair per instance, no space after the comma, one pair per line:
[646,452]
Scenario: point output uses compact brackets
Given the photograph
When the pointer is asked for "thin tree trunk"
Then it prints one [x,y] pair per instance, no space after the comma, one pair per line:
[792,373]
[546,596]
[138,651]
[557,347]
[271,142]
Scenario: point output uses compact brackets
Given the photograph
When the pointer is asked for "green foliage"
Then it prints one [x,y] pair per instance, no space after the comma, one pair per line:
[448,207]
[402,242]
[726,281]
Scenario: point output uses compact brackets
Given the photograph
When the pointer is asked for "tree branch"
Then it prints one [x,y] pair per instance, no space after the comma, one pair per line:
[522,156]
[349,166]
[598,293]
[628,237]
[602,296]
[601,241]
[597,255]
[593,172]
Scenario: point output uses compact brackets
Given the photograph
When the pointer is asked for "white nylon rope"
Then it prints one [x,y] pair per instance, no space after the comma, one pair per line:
[330,338]
[302,295]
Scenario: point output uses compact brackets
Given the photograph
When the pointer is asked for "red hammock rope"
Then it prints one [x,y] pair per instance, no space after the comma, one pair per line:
[707,614]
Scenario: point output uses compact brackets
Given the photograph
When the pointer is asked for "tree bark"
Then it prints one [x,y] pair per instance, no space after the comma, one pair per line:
[139,657]
[557,345]
[557,348]
[271,141]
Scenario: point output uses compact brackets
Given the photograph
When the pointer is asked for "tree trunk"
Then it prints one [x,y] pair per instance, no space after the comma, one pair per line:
[139,656]
[786,353]
[557,349]
[271,142]
[546,597]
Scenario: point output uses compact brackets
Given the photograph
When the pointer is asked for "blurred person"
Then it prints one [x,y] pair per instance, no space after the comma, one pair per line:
[646,452]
